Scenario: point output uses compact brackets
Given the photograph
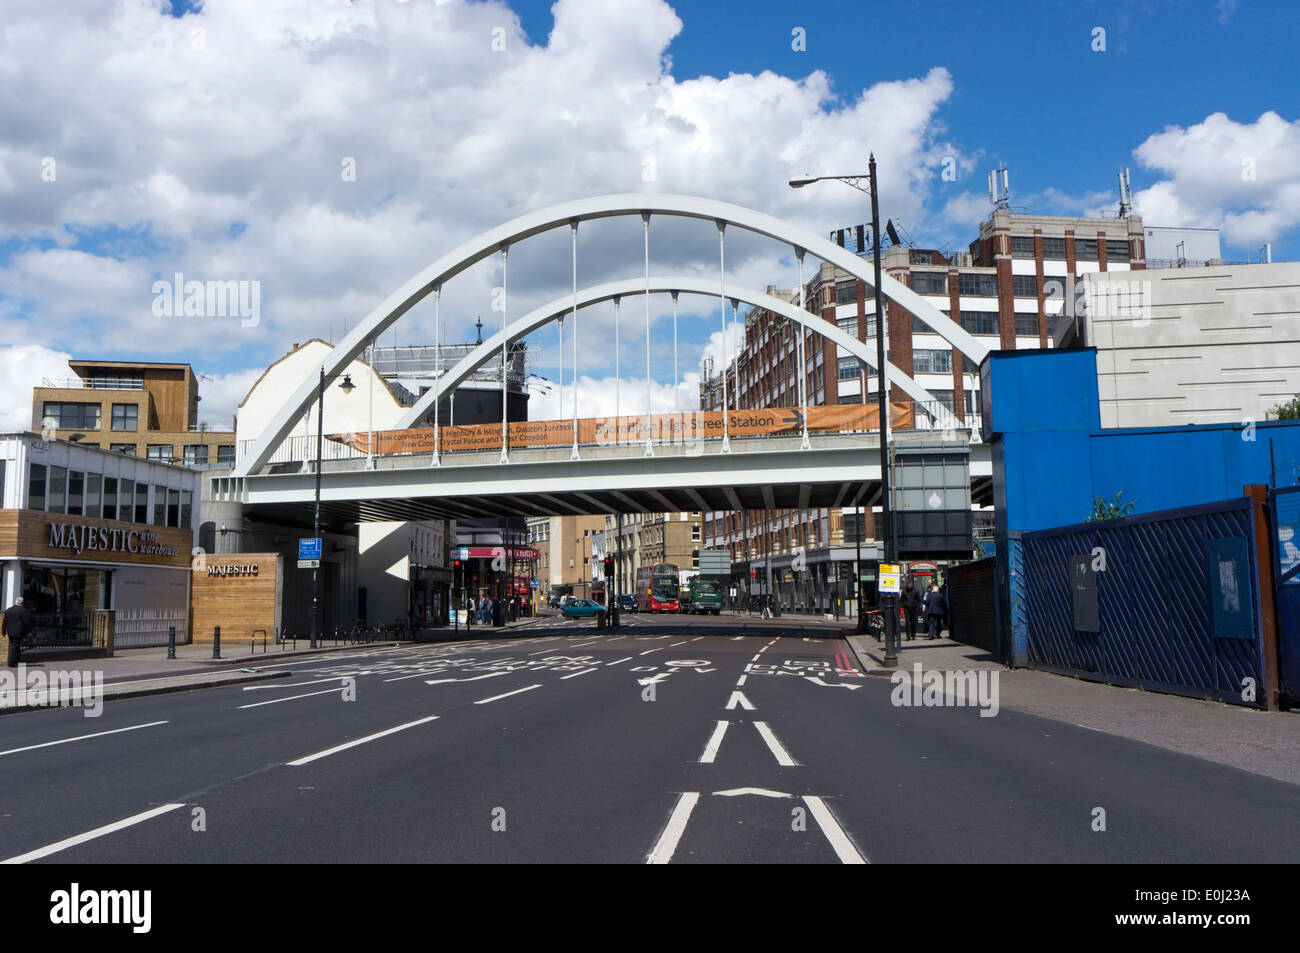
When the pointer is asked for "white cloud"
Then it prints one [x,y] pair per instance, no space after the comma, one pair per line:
[22,367]
[220,145]
[596,397]
[1241,177]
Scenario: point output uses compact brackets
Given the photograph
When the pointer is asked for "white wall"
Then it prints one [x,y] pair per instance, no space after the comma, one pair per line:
[1217,344]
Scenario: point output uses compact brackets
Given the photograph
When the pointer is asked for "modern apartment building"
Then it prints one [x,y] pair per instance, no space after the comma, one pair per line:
[140,409]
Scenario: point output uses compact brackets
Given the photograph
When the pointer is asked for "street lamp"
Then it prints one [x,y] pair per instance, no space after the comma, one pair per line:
[867,183]
[347,387]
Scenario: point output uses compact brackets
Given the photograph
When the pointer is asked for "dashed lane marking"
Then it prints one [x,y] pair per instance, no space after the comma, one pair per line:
[773,745]
[360,741]
[715,740]
[840,843]
[484,701]
[97,734]
[91,835]
[672,835]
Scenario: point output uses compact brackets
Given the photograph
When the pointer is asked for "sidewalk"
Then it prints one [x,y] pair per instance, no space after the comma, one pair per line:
[1266,743]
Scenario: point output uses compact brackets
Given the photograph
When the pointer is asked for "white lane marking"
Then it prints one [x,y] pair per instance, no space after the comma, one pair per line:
[484,701]
[740,682]
[91,835]
[675,644]
[755,658]
[764,792]
[738,698]
[576,674]
[628,659]
[697,638]
[736,638]
[778,750]
[844,849]
[420,674]
[281,685]
[711,749]
[667,843]
[817,681]
[472,678]
[290,698]
[97,734]
[360,741]
[648,651]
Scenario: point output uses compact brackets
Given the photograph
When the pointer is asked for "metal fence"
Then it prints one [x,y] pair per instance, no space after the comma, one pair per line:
[1284,514]
[61,630]
[971,614]
[1147,584]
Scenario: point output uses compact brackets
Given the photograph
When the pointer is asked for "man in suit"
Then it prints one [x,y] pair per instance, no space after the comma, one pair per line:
[17,624]
[936,607]
[912,601]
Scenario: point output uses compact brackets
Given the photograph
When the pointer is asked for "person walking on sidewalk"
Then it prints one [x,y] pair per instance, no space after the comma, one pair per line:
[936,607]
[912,601]
[16,624]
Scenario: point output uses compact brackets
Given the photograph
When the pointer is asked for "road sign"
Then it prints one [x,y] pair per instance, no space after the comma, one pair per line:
[889,576]
[308,549]
[309,564]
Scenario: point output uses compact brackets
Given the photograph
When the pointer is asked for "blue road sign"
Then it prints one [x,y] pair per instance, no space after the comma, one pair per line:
[309,549]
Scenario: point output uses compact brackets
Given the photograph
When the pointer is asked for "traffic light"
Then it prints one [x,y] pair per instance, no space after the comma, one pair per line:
[609,567]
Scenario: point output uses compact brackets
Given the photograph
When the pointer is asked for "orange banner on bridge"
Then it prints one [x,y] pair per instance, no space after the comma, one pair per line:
[664,428]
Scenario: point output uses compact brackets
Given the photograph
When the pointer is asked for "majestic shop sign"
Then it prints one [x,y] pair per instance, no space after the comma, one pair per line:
[680,428]
[82,538]
[249,569]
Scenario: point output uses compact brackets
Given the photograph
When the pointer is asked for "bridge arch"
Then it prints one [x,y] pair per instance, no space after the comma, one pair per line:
[573,213]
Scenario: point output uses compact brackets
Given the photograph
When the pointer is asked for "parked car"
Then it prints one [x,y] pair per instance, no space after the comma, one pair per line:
[627,603]
[581,609]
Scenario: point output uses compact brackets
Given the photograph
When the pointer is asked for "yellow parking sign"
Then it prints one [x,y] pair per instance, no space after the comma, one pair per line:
[889,577]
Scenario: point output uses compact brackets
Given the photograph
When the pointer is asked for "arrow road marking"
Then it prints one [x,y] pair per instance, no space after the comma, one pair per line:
[738,698]
[764,792]
[817,681]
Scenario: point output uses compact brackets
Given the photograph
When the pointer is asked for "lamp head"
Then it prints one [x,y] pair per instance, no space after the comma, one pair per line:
[347,386]
[801,182]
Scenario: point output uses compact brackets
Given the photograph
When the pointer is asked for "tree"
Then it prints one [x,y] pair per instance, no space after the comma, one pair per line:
[1288,411]
[1103,509]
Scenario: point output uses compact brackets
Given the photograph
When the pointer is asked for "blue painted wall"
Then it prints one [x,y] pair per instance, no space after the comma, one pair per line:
[1051,456]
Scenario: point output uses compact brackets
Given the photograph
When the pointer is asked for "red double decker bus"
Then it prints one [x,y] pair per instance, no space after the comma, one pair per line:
[657,588]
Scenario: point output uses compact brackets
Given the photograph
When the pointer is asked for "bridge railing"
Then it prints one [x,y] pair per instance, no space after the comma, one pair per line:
[909,416]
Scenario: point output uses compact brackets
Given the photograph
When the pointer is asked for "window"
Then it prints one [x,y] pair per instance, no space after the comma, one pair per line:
[159,506]
[850,368]
[196,454]
[931,362]
[983,285]
[929,282]
[1027,325]
[161,452]
[980,322]
[110,498]
[126,417]
[36,486]
[57,498]
[846,292]
[141,503]
[76,492]
[173,507]
[1116,250]
[1085,248]
[127,448]
[1024,286]
[1054,248]
[71,416]
[695,532]
[1022,246]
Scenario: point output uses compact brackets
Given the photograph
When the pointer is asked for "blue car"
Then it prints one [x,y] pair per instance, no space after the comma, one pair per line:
[581,609]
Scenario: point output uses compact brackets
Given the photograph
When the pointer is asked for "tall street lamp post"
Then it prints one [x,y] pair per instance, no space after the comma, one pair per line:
[867,184]
[347,387]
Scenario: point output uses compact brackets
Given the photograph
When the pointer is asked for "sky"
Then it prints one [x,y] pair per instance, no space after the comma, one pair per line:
[313,155]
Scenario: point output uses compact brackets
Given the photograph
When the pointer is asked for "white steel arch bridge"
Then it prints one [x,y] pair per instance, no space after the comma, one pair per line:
[644,475]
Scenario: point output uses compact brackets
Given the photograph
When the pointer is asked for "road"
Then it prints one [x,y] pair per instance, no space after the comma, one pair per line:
[671,740]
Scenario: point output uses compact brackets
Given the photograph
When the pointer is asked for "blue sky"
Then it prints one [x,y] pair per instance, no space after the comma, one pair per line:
[209,142]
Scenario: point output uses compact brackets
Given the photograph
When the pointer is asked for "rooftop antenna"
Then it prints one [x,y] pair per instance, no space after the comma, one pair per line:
[479,324]
[1000,187]
[1266,253]
[1125,194]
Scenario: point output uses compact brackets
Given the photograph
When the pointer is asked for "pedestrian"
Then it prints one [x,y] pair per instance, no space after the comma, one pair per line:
[936,607]
[17,624]
[913,598]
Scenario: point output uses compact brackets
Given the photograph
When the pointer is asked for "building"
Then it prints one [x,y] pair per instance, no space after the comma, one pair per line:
[564,551]
[1191,345]
[141,409]
[86,530]
[404,572]
[1009,287]
[643,539]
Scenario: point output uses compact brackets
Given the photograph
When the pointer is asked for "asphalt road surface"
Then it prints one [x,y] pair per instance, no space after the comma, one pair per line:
[671,740]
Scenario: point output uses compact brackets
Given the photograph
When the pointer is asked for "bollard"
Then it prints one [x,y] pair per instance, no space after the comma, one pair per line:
[216,641]
[171,641]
